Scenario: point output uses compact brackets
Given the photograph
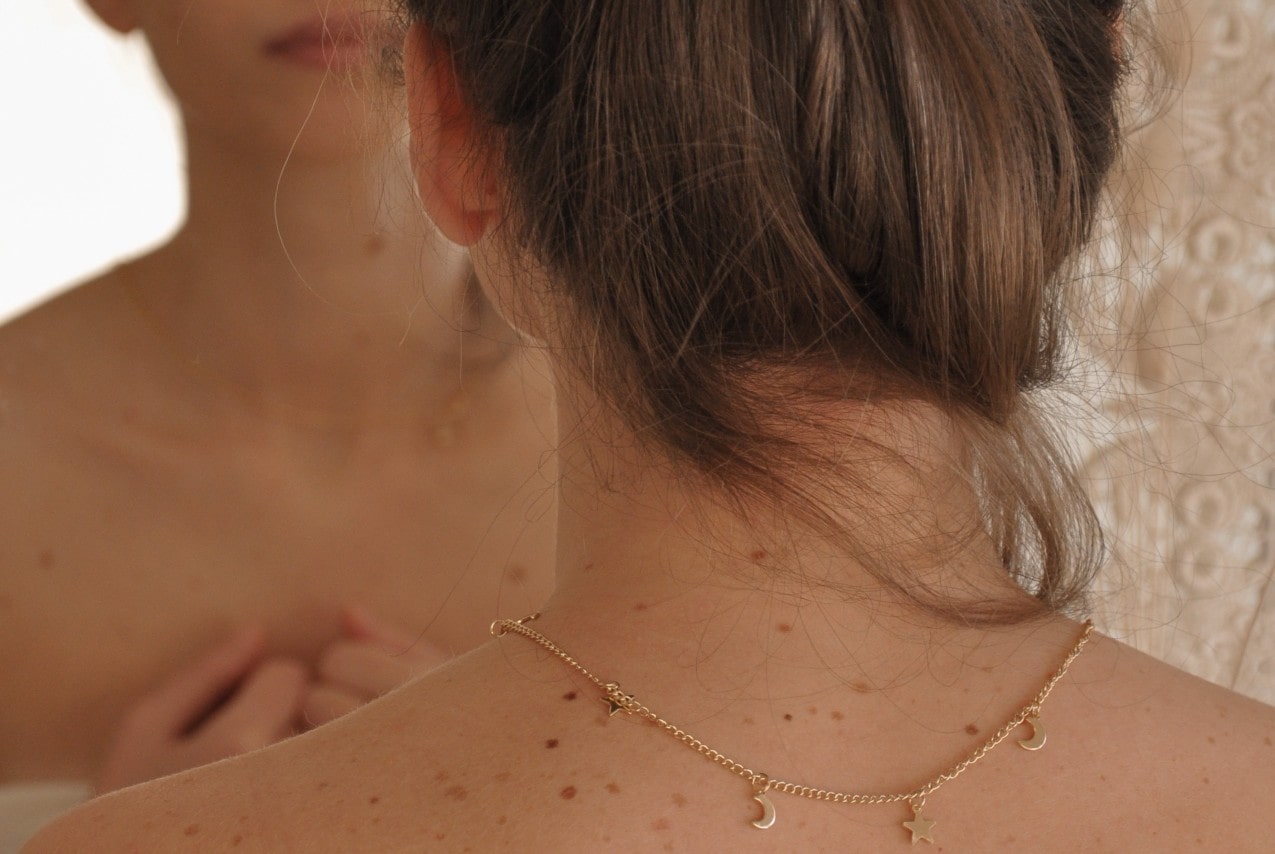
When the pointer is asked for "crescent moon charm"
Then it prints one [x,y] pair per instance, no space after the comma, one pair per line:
[1037,740]
[767,819]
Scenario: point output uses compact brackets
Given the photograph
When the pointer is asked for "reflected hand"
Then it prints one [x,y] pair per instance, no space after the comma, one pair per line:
[230,701]
[371,658]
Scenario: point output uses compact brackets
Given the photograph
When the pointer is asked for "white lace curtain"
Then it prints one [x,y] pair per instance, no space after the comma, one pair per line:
[1183,468]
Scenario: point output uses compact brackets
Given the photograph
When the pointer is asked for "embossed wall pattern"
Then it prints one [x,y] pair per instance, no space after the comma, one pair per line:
[1182,469]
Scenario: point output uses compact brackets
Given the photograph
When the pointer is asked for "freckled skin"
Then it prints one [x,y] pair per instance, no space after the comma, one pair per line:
[1095,715]
[570,695]
[971,729]
[551,743]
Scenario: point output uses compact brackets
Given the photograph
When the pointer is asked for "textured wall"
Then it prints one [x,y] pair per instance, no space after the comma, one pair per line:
[1185,474]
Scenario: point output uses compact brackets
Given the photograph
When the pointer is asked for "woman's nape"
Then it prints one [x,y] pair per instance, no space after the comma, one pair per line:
[806,230]
[806,510]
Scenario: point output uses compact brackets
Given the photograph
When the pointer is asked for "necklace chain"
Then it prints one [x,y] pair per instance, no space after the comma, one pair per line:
[619,701]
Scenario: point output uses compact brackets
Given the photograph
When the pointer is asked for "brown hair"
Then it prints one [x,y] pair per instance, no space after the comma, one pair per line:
[887,193]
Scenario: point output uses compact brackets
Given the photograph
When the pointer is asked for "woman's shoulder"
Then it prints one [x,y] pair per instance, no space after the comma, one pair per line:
[55,394]
[364,782]
[1118,679]
[63,385]
[72,369]
[65,344]
[1166,742]
[1140,757]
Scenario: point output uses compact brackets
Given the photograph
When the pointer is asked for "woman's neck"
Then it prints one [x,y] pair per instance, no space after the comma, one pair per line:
[317,289]
[345,228]
[756,608]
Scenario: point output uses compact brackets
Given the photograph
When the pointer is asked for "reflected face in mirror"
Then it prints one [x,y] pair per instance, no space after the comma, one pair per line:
[261,75]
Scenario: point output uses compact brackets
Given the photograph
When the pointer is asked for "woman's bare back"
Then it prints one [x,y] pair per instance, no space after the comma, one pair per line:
[1139,757]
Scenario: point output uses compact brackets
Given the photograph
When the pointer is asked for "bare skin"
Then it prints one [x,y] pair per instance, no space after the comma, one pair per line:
[300,404]
[729,627]
[505,749]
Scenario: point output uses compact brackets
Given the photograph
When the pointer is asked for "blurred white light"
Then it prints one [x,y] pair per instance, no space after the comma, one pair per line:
[90,162]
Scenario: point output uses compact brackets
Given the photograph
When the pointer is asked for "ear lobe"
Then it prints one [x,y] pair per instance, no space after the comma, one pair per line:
[449,174]
[119,15]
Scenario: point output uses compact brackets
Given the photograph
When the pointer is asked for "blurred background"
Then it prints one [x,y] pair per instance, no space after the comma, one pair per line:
[90,170]
[1179,411]
[1183,467]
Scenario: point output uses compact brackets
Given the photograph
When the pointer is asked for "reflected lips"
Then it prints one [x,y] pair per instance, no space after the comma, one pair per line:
[323,44]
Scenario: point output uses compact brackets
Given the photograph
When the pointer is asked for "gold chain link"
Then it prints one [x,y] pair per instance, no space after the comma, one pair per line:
[762,783]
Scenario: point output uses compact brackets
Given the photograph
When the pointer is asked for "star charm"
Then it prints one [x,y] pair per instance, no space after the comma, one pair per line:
[921,827]
[616,701]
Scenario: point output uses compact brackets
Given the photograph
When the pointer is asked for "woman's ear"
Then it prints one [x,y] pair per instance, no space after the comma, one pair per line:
[119,15]
[446,160]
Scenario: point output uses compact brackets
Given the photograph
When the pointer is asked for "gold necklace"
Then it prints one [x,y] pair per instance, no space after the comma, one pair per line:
[920,826]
